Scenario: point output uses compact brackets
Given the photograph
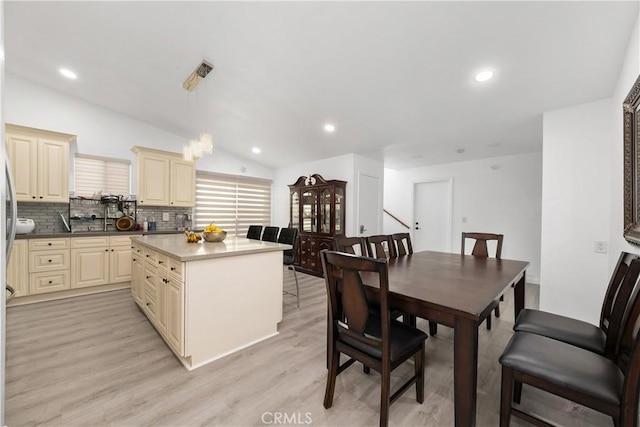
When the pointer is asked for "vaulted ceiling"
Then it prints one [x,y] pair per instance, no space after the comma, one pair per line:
[395,78]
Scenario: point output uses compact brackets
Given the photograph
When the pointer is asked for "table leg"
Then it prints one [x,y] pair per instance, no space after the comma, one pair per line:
[465,371]
[518,301]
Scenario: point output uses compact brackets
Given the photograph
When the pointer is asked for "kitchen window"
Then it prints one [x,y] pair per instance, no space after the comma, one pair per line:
[93,174]
[231,202]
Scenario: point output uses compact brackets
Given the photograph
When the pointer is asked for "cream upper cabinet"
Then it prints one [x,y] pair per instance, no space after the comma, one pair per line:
[164,178]
[183,183]
[18,268]
[40,164]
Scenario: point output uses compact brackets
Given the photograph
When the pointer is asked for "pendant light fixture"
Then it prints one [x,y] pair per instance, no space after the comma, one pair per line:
[202,146]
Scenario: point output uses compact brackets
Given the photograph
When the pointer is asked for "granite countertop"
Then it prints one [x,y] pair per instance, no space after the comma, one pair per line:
[94,233]
[177,247]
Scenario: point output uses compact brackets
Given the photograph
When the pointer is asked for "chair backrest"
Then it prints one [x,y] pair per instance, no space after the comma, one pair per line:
[628,351]
[617,298]
[400,240]
[270,234]
[348,305]
[375,246]
[480,247]
[254,232]
[350,245]
[289,236]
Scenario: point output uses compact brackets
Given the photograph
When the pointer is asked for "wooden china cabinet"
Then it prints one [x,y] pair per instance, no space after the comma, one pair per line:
[317,210]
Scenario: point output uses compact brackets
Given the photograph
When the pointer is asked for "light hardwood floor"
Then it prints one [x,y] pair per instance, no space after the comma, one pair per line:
[96,360]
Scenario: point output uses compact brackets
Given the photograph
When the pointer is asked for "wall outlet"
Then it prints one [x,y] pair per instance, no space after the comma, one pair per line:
[600,247]
[165,216]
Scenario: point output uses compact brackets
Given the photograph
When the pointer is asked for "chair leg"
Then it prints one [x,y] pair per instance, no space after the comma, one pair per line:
[517,391]
[331,379]
[497,310]
[506,392]
[295,276]
[419,366]
[409,319]
[489,322]
[433,328]
[385,396]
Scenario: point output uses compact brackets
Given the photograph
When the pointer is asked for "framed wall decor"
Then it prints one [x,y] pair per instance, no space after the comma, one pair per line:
[631,131]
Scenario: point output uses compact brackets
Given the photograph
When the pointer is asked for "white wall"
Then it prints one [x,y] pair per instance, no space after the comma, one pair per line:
[583,198]
[505,200]
[575,208]
[103,132]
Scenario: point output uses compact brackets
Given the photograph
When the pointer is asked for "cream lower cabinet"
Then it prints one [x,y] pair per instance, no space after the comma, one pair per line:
[89,261]
[49,263]
[100,260]
[160,282]
[119,259]
[18,268]
[137,271]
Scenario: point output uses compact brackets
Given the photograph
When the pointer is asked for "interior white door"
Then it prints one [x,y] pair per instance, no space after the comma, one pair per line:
[369,208]
[432,204]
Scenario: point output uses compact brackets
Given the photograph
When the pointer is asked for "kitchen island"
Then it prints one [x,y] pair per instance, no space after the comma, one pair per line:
[208,300]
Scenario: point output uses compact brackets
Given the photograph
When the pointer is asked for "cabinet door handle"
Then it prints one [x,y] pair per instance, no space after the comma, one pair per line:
[49,243]
[160,262]
[148,277]
[147,256]
[106,250]
[50,281]
[173,269]
[33,197]
[49,260]
[133,260]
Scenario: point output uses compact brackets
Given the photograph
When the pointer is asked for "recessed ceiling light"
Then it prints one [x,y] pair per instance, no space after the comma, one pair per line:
[256,150]
[329,128]
[483,76]
[68,73]
[460,150]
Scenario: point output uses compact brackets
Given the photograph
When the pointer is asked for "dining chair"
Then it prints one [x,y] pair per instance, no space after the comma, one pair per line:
[350,245]
[610,386]
[377,341]
[480,249]
[270,234]
[376,246]
[289,236]
[602,339]
[402,244]
[254,232]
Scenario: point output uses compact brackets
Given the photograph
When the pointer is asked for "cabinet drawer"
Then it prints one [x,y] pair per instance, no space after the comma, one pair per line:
[150,256]
[137,250]
[162,260]
[176,268]
[119,241]
[43,244]
[90,242]
[40,283]
[48,261]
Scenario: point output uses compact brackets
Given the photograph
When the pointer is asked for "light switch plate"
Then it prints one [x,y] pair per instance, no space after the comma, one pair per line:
[165,216]
[600,247]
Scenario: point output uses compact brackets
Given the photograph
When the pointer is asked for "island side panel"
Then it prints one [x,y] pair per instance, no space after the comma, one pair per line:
[231,303]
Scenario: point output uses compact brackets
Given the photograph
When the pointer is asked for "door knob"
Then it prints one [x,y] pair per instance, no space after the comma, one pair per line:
[362,229]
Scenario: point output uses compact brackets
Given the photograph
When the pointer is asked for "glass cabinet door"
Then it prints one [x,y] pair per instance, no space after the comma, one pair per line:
[309,211]
[295,210]
[339,211]
[325,211]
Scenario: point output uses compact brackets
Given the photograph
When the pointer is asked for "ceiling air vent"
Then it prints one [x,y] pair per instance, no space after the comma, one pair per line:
[200,73]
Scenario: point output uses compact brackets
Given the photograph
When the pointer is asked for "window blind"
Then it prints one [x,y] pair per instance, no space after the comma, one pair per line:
[231,202]
[93,174]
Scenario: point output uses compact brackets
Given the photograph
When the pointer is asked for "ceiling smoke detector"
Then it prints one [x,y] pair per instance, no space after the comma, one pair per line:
[199,74]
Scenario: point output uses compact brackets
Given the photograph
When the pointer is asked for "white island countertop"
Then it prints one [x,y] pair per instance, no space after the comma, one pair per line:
[176,246]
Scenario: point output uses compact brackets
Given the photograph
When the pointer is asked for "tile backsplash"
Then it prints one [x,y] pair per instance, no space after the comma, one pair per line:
[47,217]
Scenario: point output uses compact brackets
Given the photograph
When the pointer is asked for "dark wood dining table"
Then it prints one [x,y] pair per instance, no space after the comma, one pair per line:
[457,291]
